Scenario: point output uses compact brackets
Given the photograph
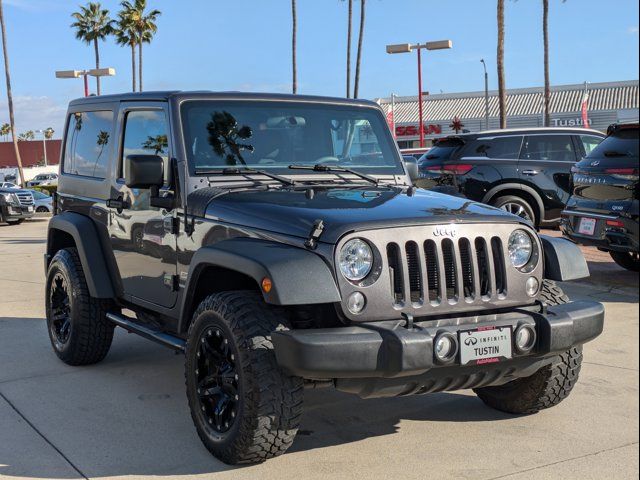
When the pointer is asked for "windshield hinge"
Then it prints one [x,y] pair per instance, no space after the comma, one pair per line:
[314,235]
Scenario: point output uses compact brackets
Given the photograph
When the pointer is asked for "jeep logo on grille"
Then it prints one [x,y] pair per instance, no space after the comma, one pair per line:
[445,231]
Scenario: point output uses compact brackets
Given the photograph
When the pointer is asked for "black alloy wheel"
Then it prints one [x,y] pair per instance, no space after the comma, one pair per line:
[217,380]
[60,306]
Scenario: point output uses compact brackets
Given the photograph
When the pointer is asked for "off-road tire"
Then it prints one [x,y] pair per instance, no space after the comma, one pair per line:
[269,401]
[548,386]
[91,333]
[500,202]
[627,260]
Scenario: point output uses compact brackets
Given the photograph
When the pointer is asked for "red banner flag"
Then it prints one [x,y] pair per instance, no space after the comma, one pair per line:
[391,122]
[583,108]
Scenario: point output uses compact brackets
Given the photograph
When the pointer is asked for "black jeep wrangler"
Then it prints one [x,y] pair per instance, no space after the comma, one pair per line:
[279,243]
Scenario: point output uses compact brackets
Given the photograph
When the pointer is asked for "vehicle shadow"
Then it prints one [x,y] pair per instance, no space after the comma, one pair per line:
[128,415]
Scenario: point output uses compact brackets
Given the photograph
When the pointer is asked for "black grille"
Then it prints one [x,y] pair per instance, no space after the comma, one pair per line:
[395,272]
[451,271]
[415,277]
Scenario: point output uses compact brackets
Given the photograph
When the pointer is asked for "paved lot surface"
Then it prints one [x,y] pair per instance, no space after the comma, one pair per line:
[128,417]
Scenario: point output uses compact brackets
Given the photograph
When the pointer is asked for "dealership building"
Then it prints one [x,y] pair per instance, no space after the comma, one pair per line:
[607,103]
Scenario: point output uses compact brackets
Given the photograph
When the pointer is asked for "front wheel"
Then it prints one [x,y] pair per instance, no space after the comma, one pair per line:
[548,386]
[515,205]
[627,260]
[244,407]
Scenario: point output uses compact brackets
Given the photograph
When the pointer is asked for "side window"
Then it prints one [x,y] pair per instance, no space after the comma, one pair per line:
[555,148]
[497,147]
[88,143]
[589,142]
[145,133]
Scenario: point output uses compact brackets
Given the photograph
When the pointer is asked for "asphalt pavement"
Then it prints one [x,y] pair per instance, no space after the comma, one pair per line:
[127,417]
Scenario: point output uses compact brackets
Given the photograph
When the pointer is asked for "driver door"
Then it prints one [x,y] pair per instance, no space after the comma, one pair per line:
[142,239]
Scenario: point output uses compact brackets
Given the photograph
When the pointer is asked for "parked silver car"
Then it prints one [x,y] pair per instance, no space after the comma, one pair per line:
[44,179]
[43,202]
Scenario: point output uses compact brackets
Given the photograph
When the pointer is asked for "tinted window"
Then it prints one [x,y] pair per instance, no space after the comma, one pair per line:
[88,140]
[589,142]
[439,153]
[274,135]
[558,148]
[497,147]
[145,133]
[620,145]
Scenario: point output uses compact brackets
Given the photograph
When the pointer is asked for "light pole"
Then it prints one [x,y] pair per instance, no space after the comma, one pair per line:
[406,48]
[44,145]
[94,72]
[486,94]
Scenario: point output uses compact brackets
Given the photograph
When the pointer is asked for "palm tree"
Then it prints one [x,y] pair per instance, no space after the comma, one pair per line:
[356,82]
[126,35]
[26,136]
[294,31]
[502,96]
[10,96]
[48,133]
[5,130]
[349,20]
[144,25]
[92,23]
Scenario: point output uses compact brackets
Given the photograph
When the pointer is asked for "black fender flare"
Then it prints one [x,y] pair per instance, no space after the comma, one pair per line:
[87,242]
[563,259]
[517,186]
[298,276]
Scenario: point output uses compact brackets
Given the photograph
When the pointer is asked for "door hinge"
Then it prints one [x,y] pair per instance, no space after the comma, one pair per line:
[172,282]
[314,235]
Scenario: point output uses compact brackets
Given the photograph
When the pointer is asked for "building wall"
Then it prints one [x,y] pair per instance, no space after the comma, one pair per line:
[31,153]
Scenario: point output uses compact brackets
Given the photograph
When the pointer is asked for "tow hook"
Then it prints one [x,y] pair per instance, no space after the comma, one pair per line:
[312,242]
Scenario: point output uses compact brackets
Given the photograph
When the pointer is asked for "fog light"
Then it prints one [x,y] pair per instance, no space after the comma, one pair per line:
[356,302]
[525,338]
[532,286]
[445,347]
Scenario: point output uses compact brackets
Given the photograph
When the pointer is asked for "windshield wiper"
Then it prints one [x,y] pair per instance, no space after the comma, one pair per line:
[327,168]
[245,170]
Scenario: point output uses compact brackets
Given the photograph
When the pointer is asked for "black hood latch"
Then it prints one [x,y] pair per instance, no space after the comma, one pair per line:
[314,235]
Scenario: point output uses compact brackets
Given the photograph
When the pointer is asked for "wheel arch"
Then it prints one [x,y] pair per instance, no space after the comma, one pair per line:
[72,230]
[518,190]
[298,277]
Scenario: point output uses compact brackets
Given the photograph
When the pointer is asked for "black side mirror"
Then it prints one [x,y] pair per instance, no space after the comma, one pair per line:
[143,171]
[411,167]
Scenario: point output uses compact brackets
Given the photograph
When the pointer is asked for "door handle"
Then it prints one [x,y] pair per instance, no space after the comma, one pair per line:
[530,172]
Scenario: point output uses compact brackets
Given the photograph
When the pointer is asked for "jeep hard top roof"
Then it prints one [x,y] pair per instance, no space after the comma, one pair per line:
[163,96]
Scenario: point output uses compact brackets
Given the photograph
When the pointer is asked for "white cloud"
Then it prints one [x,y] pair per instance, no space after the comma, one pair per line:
[633,30]
[35,113]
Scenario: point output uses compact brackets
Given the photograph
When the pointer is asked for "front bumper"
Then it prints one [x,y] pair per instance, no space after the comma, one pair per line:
[385,358]
[16,212]
[605,237]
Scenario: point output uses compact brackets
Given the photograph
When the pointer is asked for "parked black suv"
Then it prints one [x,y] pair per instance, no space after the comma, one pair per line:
[603,210]
[526,172]
[16,205]
[283,245]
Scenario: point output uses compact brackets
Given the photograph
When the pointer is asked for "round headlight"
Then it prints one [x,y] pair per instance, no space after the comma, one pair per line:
[356,259]
[520,248]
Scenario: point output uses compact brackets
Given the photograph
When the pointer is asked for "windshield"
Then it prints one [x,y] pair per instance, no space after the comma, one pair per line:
[622,144]
[273,135]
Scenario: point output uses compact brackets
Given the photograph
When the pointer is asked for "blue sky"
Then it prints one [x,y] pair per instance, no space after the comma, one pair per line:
[246,45]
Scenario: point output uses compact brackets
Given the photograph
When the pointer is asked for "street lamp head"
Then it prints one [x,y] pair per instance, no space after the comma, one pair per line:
[102,72]
[439,45]
[69,73]
[399,48]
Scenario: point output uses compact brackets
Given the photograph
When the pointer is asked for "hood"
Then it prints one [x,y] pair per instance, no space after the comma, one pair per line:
[294,211]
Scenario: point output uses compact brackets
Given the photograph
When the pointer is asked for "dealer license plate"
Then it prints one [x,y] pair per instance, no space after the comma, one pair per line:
[587,226]
[485,345]
[30,209]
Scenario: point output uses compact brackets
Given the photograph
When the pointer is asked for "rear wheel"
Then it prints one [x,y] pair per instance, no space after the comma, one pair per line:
[78,328]
[244,407]
[548,386]
[515,205]
[628,260]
